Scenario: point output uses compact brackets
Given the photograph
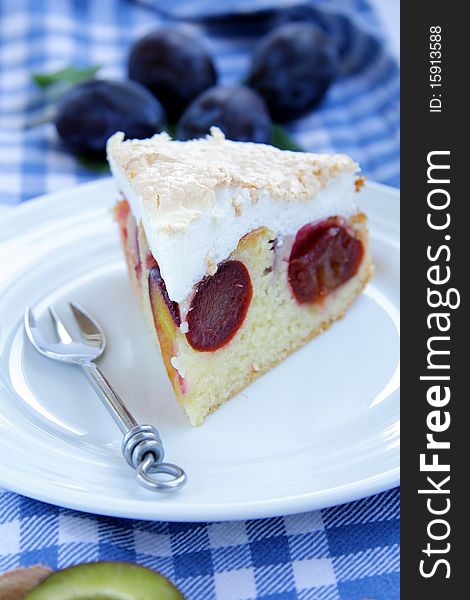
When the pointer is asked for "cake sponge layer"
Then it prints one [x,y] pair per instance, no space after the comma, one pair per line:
[275,325]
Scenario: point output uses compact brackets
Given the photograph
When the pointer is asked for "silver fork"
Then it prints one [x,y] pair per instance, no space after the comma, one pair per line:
[141,445]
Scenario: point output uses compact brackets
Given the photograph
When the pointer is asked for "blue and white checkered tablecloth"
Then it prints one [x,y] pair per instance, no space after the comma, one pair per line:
[349,552]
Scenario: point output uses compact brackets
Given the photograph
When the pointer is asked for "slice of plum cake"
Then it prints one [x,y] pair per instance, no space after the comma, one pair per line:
[240,253]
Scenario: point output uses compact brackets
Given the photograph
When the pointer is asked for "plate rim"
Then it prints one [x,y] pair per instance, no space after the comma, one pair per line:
[207,512]
[136,508]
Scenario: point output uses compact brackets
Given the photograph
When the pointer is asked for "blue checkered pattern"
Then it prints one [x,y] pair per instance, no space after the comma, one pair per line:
[349,552]
[360,115]
[345,553]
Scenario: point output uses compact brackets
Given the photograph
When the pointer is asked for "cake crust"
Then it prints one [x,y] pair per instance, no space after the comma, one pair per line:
[210,220]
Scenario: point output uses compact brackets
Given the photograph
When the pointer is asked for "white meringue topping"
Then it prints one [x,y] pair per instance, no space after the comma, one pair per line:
[196,199]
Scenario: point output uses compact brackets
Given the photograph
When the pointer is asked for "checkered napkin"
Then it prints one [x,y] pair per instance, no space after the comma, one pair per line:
[348,552]
[360,115]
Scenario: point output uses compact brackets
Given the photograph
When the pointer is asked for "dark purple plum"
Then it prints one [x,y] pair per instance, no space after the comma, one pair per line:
[174,65]
[219,307]
[93,110]
[292,69]
[237,110]
[324,256]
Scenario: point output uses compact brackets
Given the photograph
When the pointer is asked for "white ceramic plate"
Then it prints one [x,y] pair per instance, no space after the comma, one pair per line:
[320,429]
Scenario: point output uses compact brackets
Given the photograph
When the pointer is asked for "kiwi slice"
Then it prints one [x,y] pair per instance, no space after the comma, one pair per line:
[105,581]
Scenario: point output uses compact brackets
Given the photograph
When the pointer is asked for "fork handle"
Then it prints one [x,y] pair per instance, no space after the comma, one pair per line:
[113,403]
[141,446]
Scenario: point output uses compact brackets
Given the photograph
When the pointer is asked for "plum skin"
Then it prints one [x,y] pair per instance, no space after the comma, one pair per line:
[292,69]
[324,256]
[173,64]
[237,110]
[90,112]
[156,281]
[219,307]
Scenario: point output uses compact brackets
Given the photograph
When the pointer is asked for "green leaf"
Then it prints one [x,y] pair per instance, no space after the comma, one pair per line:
[66,76]
[282,140]
[171,130]
[97,165]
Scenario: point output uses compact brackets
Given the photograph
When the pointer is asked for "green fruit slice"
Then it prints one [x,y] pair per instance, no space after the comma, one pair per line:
[105,581]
